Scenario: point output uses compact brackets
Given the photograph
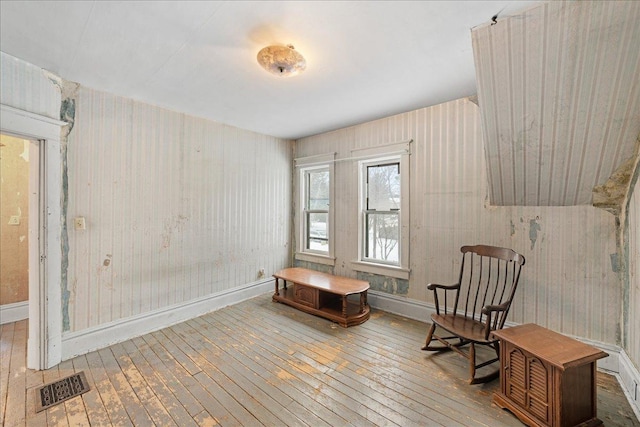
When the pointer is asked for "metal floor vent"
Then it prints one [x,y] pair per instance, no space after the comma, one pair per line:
[51,394]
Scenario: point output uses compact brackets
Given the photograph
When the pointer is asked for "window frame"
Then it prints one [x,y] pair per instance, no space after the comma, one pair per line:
[367,211]
[304,166]
[393,153]
[305,177]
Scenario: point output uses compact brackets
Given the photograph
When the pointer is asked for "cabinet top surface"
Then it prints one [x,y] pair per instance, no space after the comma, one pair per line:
[555,348]
[315,279]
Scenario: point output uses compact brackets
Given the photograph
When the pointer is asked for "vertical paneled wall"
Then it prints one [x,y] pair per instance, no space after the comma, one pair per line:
[176,208]
[633,318]
[568,281]
[29,88]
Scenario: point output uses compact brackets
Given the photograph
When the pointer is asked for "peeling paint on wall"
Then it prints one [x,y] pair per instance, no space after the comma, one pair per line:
[612,194]
[615,266]
[390,285]
[313,266]
[534,227]
[69,91]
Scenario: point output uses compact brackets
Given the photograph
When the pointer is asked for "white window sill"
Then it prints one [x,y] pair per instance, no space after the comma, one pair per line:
[317,258]
[381,269]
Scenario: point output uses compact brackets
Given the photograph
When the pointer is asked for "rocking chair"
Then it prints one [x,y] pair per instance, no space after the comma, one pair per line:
[481,300]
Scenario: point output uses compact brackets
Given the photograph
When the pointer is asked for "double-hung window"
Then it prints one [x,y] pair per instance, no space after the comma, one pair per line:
[314,213]
[383,179]
[382,196]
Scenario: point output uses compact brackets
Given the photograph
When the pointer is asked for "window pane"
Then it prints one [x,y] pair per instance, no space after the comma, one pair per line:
[383,234]
[383,187]
[317,231]
[318,190]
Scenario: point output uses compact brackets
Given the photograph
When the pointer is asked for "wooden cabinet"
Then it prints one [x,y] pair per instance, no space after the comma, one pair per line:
[547,379]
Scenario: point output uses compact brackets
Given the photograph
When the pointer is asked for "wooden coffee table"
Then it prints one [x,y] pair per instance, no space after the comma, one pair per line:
[323,295]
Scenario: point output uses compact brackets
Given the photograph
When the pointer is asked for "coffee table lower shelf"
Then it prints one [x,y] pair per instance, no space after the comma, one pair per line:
[325,304]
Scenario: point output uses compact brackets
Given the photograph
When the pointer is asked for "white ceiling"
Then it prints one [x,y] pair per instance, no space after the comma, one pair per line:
[365,59]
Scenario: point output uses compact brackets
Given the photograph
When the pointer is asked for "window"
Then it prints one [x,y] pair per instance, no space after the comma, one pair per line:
[383,180]
[314,213]
[316,210]
[382,192]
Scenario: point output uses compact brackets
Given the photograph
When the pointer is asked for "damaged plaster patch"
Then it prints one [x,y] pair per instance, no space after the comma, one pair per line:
[513,228]
[612,194]
[390,285]
[313,266]
[54,79]
[534,227]
[69,92]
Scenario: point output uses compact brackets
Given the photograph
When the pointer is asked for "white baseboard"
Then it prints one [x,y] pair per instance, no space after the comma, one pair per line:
[617,364]
[82,342]
[14,312]
[629,378]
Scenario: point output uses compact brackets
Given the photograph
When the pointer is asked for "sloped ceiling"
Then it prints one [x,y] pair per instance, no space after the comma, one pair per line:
[559,95]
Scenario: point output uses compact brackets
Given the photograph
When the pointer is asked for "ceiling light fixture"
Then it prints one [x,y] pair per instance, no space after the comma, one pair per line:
[281,60]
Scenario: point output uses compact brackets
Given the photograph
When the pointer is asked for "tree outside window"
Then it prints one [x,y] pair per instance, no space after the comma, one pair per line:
[382,213]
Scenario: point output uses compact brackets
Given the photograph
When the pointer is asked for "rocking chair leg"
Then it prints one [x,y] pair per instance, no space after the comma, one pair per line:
[429,336]
[472,362]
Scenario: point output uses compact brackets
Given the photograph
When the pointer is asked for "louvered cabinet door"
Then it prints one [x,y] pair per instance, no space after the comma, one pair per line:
[528,383]
[515,371]
[539,389]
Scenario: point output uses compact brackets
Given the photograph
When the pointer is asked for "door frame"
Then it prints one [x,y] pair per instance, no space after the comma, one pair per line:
[45,232]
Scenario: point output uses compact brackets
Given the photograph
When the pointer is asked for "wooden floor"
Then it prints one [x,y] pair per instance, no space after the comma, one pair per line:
[263,363]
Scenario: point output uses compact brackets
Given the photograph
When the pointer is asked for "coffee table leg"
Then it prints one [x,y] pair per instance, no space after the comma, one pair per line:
[277,285]
[344,306]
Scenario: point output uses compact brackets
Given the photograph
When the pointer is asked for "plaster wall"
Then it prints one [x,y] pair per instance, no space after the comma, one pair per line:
[569,282]
[14,220]
[176,208]
[633,318]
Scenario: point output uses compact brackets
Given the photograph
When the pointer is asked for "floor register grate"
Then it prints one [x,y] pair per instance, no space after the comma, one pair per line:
[56,392]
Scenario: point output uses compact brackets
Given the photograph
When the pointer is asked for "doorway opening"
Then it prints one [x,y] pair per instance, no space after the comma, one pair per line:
[14,228]
[44,221]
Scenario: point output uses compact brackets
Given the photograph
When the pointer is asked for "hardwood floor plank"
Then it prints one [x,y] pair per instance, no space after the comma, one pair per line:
[74,407]
[172,404]
[299,378]
[378,357]
[211,397]
[96,412]
[183,392]
[250,370]
[239,394]
[271,372]
[16,397]
[6,347]
[108,394]
[350,397]
[135,409]
[259,363]
[204,419]
[143,392]
[180,357]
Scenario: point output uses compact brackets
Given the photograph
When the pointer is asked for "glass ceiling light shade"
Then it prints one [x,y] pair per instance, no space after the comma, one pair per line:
[281,60]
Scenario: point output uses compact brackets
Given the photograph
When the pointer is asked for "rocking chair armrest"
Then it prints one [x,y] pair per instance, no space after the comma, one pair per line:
[492,321]
[488,309]
[434,286]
